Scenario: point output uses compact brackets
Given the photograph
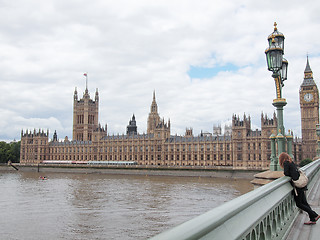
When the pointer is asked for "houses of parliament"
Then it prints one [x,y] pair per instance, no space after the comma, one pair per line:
[239,147]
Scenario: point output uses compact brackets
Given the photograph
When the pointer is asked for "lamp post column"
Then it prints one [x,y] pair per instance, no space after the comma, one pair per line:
[279,103]
[278,66]
[318,134]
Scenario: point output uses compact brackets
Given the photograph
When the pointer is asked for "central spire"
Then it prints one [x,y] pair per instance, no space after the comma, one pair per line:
[308,75]
[308,69]
[154,106]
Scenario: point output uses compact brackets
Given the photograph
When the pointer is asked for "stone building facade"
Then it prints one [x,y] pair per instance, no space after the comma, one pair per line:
[239,147]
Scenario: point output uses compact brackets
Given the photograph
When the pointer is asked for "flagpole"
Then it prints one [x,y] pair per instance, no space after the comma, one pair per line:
[86,75]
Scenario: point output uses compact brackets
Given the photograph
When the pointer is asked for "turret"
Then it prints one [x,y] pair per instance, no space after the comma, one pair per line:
[75,95]
[132,127]
[97,96]
[85,115]
[55,136]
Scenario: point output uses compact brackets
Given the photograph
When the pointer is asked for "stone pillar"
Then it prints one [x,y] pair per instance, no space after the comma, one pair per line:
[273,162]
[289,145]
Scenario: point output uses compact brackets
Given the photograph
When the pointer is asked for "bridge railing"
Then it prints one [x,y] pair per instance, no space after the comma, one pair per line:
[264,213]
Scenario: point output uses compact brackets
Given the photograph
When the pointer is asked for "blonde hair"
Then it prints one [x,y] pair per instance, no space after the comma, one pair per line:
[284,157]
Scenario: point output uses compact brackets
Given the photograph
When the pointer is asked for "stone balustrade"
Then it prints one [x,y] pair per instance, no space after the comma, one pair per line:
[264,213]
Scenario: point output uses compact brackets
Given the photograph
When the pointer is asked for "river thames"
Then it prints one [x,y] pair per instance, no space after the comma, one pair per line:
[104,206]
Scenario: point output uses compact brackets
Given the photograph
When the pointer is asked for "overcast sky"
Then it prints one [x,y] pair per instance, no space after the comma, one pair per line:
[205,60]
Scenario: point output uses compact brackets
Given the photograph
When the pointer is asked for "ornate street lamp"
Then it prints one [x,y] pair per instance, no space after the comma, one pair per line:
[279,68]
[274,56]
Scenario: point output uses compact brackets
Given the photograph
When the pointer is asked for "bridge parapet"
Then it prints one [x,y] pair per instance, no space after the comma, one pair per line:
[264,213]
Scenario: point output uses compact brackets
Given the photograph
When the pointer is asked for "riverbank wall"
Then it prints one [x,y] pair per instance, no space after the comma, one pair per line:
[137,170]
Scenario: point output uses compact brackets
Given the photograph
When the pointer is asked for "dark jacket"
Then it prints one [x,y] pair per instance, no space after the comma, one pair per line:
[291,170]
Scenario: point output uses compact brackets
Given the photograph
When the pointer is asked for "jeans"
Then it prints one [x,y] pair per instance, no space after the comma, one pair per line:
[301,202]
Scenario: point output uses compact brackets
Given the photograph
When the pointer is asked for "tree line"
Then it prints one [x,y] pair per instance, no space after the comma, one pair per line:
[10,151]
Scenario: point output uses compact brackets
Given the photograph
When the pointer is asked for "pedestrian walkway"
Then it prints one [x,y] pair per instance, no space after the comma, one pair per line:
[308,232]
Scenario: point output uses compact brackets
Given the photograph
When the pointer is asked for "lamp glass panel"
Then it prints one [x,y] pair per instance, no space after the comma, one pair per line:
[279,42]
[274,59]
[284,70]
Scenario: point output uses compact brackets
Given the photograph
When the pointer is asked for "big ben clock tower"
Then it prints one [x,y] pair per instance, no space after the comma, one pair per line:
[309,106]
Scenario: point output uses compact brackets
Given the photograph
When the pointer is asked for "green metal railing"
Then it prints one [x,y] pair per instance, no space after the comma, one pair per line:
[264,213]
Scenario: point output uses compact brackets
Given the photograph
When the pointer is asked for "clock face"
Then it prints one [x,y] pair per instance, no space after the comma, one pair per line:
[308,97]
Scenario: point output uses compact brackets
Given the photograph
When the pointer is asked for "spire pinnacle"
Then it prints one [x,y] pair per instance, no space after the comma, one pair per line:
[154,107]
[308,75]
[308,69]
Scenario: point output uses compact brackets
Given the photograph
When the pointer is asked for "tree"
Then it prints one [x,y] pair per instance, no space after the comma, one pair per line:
[9,151]
[305,162]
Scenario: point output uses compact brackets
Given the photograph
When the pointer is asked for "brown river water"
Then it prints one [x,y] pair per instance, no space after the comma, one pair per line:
[104,206]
